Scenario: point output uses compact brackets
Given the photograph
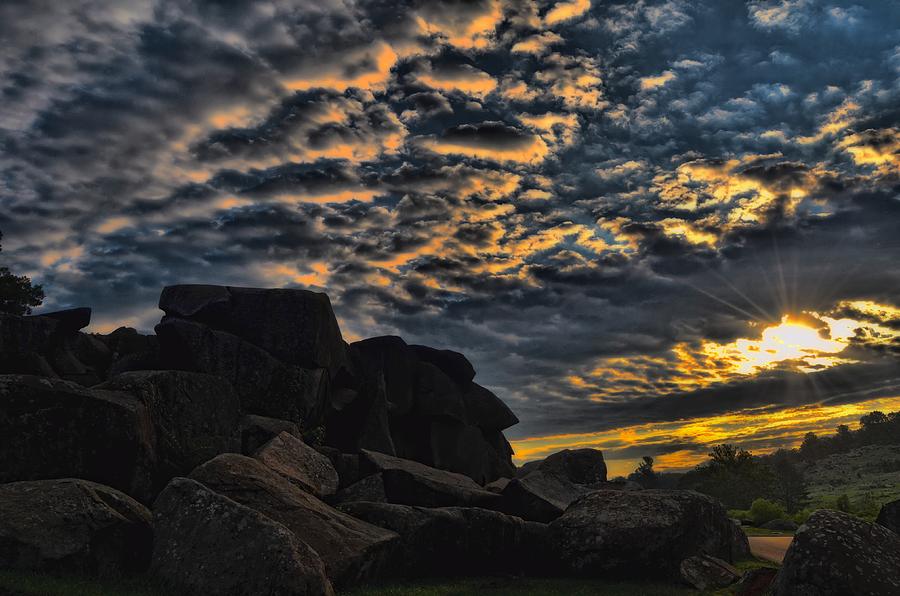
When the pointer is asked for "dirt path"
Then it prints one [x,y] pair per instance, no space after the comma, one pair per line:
[770,548]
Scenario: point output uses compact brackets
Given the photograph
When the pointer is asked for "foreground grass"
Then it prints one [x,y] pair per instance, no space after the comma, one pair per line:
[523,587]
[27,584]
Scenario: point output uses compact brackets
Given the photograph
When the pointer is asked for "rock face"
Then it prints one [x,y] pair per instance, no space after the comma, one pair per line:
[56,429]
[351,550]
[256,431]
[542,491]
[889,516]
[708,573]
[72,527]
[206,543]
[194,416]
[300,464]
[835,553]
[266,386]
[457,540]
[297,327]
[407,482]
[639,533]
[420,404]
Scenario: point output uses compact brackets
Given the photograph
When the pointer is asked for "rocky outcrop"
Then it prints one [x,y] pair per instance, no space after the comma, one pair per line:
[205,543]
[52,428]
[639,533]
[299,464]
[69,526]
[543,490]
[420,404]
[194,416]
[708,573]
[408,482]
[266,386]
[834,553]
[457,540]
[889,516]
[351,550]
[297,327]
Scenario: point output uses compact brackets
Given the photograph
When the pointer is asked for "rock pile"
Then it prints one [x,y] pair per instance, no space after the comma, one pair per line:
[247,449]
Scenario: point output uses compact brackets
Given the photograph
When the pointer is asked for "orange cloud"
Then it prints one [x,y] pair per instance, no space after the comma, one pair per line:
[564,11]
[381,58]
[464,79]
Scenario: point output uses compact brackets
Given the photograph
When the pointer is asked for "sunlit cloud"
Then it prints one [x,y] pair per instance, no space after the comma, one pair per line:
[564,11]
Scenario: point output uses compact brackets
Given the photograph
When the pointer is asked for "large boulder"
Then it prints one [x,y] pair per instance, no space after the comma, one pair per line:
[69,321]
[266,386]
[408,482]
[486,410]
[70,526]
[195,416]
[297,327]
[640,533]
[300,464]
[52,428]
[256,431]
[205,543]
[708,573]
[390,357]
[889,516]
[834,553]
[543,490]
[450,540]
[351,550]
[453,364]
[23,341]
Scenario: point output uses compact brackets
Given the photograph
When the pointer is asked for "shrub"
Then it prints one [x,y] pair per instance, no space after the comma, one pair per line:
[801,516]
[763,510]
[843,503]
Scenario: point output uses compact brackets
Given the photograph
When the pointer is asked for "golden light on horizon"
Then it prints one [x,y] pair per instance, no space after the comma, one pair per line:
[789,340]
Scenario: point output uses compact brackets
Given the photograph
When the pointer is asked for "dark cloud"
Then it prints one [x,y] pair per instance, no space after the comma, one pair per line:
[556,194]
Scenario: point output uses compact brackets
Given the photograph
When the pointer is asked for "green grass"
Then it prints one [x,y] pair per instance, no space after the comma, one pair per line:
[28,584]
[523,587]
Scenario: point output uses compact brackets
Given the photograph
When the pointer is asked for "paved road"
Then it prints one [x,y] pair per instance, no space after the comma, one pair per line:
[770,548]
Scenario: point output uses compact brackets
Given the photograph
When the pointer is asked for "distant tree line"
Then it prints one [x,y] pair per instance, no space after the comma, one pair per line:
[738,478]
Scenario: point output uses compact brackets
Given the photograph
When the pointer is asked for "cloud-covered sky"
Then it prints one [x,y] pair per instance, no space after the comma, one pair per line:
[651,224]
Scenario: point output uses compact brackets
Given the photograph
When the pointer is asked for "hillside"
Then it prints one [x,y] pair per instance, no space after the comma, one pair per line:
[868,475]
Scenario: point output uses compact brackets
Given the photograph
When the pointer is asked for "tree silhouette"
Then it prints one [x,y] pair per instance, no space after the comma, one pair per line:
[645,475]
[17,295]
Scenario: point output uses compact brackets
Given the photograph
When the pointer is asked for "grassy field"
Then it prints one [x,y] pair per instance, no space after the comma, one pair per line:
[869,476]
[24,584]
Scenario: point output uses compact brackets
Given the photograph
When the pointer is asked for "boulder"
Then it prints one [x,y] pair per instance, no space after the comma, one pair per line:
[756,582]
[69,321]
[543,490]
[639,533]
[23,343]
[256,431]
[390,357]
[69,526]
[486,410]
[834,553]
[359,419]
[297,327]
[56,429]
[740,544]
[448,540]
[369,489]
[205,543]
[465,449]
[453,364]
[352,550]
[780,525]
[195,416]
[708,573]
[300,464]
[581,466]
[346,464]
[437,394]
[889,516]
[266,386]
[408,482]
[497,485]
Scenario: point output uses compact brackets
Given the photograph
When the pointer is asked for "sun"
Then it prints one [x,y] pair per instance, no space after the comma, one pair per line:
[792,341]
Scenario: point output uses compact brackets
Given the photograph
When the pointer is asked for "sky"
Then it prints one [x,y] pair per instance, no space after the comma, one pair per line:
[652,225]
